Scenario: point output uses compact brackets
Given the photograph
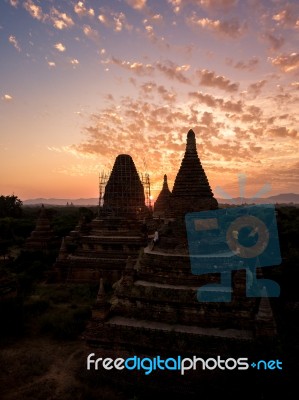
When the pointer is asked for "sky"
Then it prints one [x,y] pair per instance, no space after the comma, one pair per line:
[84,81]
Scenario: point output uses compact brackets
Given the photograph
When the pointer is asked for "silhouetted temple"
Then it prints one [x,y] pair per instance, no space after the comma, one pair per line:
[191,190]
[155,309]
[42,238]
[162,204]
[100,248]
[124,193]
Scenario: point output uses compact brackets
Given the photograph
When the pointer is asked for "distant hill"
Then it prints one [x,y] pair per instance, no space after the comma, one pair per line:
[61,202]
[284,198]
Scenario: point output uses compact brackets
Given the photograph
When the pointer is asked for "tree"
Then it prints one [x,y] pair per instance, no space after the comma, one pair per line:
[10,206]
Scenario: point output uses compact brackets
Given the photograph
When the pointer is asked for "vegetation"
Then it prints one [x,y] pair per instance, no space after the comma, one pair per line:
[10,206]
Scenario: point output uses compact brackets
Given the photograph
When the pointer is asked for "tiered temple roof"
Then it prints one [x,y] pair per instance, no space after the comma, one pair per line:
[191,190]
[124,193]
[100,249]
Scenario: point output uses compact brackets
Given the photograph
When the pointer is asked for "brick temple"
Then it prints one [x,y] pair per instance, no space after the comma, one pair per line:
[101,248]
[155,310]
[162,204]
[42,238]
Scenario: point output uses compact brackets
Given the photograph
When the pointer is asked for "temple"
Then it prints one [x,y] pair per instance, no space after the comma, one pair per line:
[100,249]
[162,204]
[191,190]
[124,193]
[155,310]
[42,239]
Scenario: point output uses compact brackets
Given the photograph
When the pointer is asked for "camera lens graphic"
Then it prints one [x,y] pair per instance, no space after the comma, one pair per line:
[257,227]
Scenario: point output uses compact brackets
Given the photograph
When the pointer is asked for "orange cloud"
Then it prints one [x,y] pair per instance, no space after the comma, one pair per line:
[7,97]
[173,71]
[282,131]
[286,63]
[12,39]
[232,28]
[274,41]
[136,67]
[209,78]
[34,10]
[81,10]
[90,33]
[118,21]
[137,4]
[61,20]
[249,65]
[60,47]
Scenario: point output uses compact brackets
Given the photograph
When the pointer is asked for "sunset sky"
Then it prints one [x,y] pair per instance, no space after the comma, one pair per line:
[84,81]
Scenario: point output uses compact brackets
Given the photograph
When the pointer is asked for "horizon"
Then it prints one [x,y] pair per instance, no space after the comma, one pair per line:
[82,83]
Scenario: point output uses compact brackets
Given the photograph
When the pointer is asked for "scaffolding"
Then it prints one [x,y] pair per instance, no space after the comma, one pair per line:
[145,180]
[122,197]
[103,179]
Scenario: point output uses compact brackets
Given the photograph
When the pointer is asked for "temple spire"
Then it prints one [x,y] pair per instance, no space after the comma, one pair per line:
[191,189]
[191,142]
[161,206]
[124,192]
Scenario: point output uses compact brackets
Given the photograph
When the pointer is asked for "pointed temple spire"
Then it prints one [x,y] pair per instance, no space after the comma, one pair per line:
[124,193]
[162,203]
[191,190]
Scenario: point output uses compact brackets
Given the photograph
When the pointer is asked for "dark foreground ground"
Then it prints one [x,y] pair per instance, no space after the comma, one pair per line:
[42,355]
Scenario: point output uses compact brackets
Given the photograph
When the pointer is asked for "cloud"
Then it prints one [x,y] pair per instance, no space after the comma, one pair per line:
[288,17]
[210,5]
[102,18]
[216,102]
[232,28]
[90,33]
[120,22]
[74,62]
[82,11]
[61,20]
[176,4]
[14,3]
[149,88]
[286,62]
[249,65]
[151,35]
[275,42]
[60,47]
[12,39]
[34,10]
[255,88]
[137,4]
[282,131]
[217,4]
[209,78]
[7,97]
[174,71]
[155,18]
[137,67]
[117,21]
[166,94]
[51,64]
